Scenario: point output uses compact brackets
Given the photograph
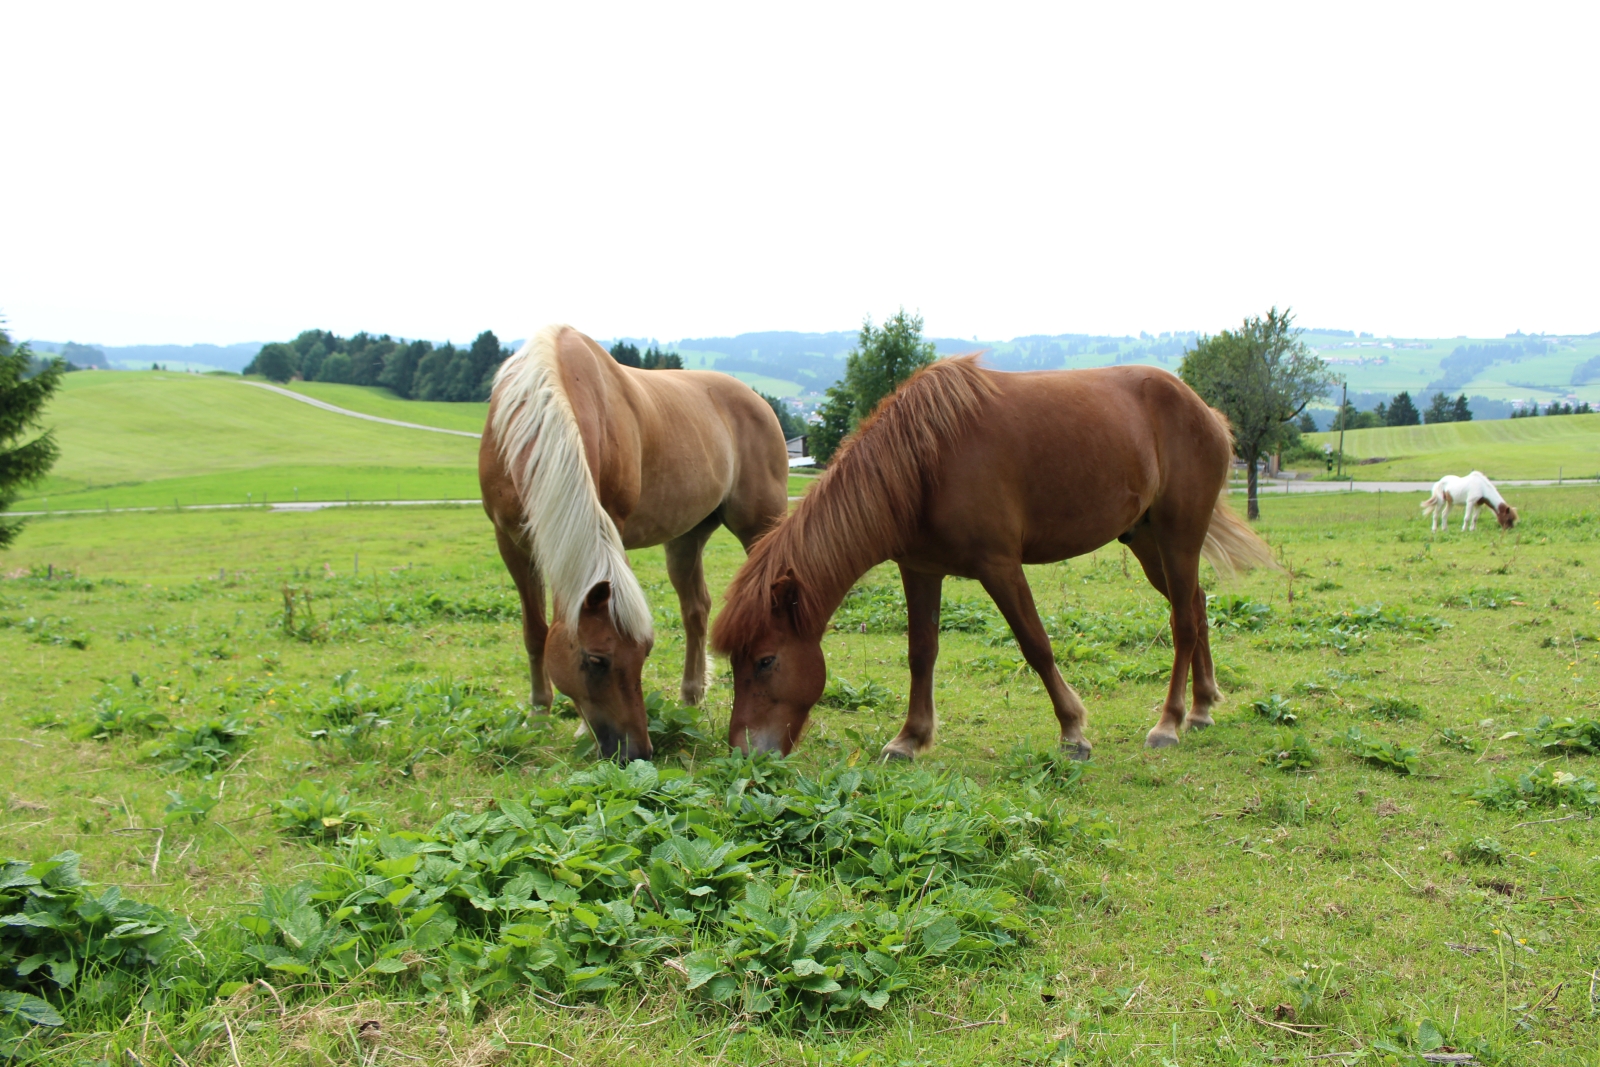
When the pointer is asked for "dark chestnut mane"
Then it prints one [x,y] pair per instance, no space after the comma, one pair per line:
[863,508]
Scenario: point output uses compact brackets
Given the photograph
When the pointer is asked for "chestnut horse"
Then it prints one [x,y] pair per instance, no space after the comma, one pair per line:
[974,473]
[583,458]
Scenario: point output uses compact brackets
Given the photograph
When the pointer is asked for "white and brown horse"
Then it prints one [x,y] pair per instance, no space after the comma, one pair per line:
[582,459]
[1473,491]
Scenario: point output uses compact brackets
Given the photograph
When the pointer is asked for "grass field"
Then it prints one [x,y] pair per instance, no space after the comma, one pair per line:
[1194,905]
[375,400]
[1541,447]
[141,439]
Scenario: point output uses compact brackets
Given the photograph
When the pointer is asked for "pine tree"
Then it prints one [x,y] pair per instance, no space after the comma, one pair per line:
[22,401]
[1461,411]
[1402,412]
[1440,409]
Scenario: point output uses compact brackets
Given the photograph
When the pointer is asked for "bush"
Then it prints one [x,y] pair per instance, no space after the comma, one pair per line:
[58,937]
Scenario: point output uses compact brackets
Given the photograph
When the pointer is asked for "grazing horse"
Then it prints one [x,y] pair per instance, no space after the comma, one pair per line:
[583,458]
[1475,491]
[974,473]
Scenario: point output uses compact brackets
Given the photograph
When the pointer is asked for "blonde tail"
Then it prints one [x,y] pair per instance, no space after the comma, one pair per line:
[1231,546]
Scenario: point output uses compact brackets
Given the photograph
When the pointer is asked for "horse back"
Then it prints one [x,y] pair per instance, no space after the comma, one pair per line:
[1063,462]
[669,448]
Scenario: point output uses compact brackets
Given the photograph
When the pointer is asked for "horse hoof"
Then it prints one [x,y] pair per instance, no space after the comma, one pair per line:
[692,697]
[1192,723]
[1077,750]
[1159,740]
[894,755]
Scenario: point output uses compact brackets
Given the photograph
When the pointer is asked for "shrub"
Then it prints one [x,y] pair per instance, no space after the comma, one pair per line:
[868,696]
[1395,709]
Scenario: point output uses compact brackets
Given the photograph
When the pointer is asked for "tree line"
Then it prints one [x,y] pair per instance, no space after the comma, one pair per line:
[416,370]
[1555,407]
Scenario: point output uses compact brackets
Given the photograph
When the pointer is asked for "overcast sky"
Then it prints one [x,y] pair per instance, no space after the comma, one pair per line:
[230,172]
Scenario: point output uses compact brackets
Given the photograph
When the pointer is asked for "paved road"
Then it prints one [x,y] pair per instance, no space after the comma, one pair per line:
[325,406]
[1278,487]
[291,505]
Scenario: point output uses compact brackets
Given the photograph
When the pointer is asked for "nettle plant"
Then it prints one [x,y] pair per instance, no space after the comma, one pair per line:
[769,892]
[61,941]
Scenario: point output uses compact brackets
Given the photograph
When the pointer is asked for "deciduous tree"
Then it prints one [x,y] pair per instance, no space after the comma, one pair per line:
[1261,376]
[883,358]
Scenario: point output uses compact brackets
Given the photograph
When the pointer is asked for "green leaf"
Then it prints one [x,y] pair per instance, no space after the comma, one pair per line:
[29,1008]
[702,967]
[804,966]
[940,936]
[875,999]
[1428,1036]
[388,965]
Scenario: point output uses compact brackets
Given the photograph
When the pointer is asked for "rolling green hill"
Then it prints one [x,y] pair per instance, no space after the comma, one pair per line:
[376,400]
[1544,447]
[149,438]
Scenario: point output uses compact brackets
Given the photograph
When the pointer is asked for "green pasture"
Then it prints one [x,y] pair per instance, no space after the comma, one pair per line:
[1559,446]
[1390,892]
[376,400]
[149,438]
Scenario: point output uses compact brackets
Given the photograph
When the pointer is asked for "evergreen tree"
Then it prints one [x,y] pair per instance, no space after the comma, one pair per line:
[882,359]
[625,354]
[1460,410]
[1440,409]
[1402,412]
[22,401]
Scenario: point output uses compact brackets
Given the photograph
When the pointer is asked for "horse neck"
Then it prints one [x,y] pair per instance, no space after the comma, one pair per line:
[840,531]
[1490,493]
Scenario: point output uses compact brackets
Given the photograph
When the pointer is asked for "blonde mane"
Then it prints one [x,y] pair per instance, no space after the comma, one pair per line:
[864,507]
[575,544]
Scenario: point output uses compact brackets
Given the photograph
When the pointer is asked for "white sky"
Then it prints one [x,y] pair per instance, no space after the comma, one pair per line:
[225,173]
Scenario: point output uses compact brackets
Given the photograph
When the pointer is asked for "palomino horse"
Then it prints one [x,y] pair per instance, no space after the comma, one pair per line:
[583,458]
[970,472]
[1475,491]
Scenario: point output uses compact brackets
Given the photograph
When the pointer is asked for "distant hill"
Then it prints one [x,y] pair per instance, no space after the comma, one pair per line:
[139,357]
[1497,374]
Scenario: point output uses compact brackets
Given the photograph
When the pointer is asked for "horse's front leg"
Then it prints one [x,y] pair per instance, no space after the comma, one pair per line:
[922,638]
[686,569]
[530,588]
[1009,589]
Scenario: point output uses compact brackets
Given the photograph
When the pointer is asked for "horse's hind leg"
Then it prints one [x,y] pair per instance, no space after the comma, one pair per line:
[922,644]
[530,588]
[686,569]
[1206,694]
[1010,592]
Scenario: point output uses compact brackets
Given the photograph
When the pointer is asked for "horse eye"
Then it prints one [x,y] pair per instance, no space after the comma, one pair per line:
[765,663]
[596,664]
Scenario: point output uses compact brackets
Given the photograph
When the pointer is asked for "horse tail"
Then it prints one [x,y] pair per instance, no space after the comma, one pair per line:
[575,544]
[1230,545]
[1431,505]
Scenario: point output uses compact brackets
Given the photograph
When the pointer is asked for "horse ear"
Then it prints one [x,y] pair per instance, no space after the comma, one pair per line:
[598,597]
[786,594]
